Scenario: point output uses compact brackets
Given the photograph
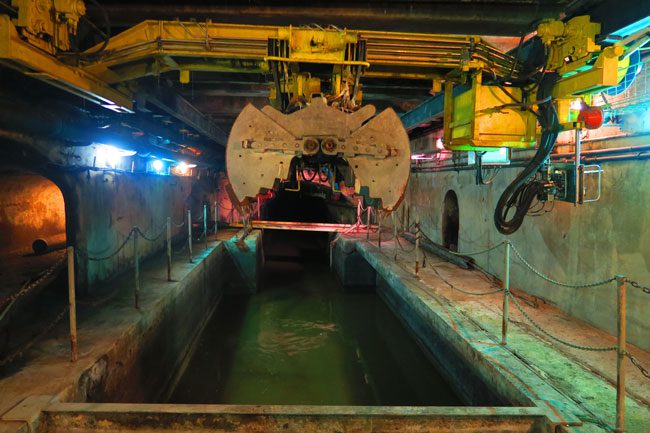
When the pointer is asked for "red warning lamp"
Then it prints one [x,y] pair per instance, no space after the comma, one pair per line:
[590,117]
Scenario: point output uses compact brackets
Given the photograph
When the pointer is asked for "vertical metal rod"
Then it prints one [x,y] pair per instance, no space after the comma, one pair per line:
[621,352]
[136,258]
[189,233]
[417,244]
[506,293]
[394,219]
[577,166]
[259,209]
[408,219]
[358,214]
[368,224]
[72,305]
[379,218]
[216,216]
[205,225]
[169,249]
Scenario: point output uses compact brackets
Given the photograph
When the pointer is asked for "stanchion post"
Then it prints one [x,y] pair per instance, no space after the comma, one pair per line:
[621,352]
[379,217]
[169,248]
[506,292]
[136,259]
[72,305]
[205,226]
[216,216]
[417,244]
[368,224]
[189,233]
[358,214]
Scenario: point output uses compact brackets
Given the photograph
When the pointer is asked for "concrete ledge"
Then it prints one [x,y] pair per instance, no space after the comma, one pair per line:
[123,352]
[81,418]
[450,336]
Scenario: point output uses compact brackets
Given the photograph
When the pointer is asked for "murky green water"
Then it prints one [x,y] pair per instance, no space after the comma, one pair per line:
[301,340]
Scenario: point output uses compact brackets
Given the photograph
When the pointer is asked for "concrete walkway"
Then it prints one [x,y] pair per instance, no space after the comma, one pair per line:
[104,322]
[587,378]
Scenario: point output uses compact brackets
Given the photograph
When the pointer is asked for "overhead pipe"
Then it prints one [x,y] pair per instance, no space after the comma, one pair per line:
[596,155]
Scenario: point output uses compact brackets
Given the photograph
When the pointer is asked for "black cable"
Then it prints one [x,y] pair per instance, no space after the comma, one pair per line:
[521,192]
[106,34]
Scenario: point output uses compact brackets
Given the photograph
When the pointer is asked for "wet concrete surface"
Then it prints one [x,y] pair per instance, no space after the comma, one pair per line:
[585,379]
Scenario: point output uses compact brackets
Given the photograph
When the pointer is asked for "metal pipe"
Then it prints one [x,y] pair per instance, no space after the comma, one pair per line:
[136,258]
[577,167]
[205,225]
[216,215]
[593,155]
[72,305]
[506,293]
[417,244]
[368,224]
[621,352]
[189,233]
[379,218]
[169,249]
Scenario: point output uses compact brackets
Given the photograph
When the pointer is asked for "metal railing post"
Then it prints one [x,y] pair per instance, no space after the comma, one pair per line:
[506,293]
[216,216]
[189,233]
[379,217]
[394,219]
[136,258]
[368,224]
[169,248]
[417,244]
[621,352]
[72,305]
[358,214]
[205,226]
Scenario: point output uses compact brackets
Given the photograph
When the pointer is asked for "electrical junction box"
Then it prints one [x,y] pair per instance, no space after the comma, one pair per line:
[485,118]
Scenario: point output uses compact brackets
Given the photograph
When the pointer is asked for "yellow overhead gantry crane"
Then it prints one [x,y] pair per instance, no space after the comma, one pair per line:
[316,117]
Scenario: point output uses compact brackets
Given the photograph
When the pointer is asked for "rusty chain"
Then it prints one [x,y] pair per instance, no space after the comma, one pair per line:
[29,286]
[636,285]
[109,256]
[556,282]
[638,365]
[555,338]
[18,353]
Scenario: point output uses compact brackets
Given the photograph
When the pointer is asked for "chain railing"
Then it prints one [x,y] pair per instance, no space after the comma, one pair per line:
[134,234]
[621,282]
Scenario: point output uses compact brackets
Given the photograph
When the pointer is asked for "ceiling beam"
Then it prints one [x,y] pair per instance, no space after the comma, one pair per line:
[491,18]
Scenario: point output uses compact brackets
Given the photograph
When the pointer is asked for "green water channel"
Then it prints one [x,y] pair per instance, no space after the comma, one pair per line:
[302,340]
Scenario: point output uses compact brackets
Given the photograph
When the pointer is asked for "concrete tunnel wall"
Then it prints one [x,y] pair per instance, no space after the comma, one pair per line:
[105,206]
[579,244]
[31,207]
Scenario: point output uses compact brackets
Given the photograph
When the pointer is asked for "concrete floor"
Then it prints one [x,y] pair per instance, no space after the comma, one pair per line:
[46,368]
[587,378]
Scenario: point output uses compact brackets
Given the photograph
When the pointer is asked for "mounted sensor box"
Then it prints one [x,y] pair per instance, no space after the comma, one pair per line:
[485,118]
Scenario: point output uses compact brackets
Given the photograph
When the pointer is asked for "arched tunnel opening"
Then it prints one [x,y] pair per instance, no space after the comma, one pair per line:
[32,255]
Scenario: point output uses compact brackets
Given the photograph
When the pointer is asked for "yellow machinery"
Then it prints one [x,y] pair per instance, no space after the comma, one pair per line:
[315,117]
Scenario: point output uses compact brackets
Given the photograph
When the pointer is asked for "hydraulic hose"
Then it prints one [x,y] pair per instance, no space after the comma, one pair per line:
[524,189]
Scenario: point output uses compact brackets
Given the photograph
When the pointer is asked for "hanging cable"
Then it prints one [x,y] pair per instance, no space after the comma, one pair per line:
[521,192]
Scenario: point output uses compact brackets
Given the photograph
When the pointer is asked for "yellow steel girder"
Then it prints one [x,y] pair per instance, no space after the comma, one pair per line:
[18,54]
[147,47]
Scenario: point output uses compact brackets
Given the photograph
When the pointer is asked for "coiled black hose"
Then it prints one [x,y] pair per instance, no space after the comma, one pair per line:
[524,189]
